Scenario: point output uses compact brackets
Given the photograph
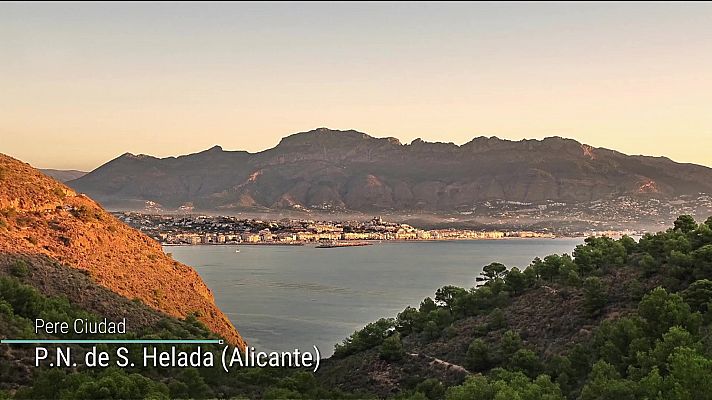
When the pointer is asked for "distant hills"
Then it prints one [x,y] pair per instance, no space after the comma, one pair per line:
[327,169]
[63,175]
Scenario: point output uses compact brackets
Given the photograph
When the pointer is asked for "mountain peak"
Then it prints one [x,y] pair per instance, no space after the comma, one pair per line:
[323,136]
[131,156]
[213,150]
[334,137]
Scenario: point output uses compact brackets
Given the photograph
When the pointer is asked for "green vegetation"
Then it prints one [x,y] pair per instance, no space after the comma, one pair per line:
[21,303]
[112,383]
[646,308]
[86,214]
[392,348]
[595,297]
[661,348]
[502,384]
[19,269]
[370,336]
[59,192]
[478,356]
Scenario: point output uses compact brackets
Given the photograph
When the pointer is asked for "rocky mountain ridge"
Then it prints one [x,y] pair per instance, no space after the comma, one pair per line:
[326,169]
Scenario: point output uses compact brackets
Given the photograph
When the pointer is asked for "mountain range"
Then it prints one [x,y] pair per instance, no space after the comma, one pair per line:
[326,169]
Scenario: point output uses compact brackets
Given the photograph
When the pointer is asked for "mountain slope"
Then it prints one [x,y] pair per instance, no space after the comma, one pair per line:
[349,170]
[36,286]
[40,216]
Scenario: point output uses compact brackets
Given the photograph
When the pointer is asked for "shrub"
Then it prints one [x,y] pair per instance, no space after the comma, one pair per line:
[496,320]
[505,385]
[370,336]
[660,311]
[59,193]
[526,361]
[85,214]
[450,332]
[480,329]
[409,320]
[595,296]
[510,343]
[431,330]
[432,388]
[19,269]
[478,357]
[635,289]
[699,295]
[515,280]
[392,348]
[492,272]
[599,254]
[685,224]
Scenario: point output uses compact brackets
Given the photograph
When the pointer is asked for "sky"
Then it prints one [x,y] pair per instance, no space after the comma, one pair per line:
[81,84]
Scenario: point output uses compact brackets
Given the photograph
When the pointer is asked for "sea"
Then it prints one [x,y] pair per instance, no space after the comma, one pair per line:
[282,298]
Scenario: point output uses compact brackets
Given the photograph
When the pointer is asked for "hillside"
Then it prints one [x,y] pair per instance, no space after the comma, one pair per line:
[38,287]
[347,170]
[617,319]
[45,283]
[41,217]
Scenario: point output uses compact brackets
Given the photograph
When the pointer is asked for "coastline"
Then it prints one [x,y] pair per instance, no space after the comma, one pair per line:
[347,243]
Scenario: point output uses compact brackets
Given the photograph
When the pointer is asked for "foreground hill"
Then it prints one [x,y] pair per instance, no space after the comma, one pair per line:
[615,320]
[36,286]
[349,170]
[41,217]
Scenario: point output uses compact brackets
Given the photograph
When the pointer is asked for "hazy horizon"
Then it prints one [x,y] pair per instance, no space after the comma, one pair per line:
[84,83]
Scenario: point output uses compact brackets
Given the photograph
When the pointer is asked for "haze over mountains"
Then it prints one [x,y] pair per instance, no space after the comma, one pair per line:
[63,175]
[327,169]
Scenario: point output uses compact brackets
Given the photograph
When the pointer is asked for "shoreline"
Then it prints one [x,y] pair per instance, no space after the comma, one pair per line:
[347,243]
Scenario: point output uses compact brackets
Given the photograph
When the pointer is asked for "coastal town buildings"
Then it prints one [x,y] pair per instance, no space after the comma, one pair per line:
[201,229]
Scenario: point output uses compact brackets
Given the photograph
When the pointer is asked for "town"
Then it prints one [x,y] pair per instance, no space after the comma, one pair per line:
[203,229]
[615,217]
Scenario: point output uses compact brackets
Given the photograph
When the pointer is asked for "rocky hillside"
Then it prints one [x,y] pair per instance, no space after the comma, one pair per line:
[41,217]
[349,170]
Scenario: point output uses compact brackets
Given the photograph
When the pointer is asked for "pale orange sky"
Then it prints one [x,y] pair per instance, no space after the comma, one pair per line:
[83,83]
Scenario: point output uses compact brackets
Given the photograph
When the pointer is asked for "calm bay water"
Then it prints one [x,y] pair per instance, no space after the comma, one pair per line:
[282,298]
